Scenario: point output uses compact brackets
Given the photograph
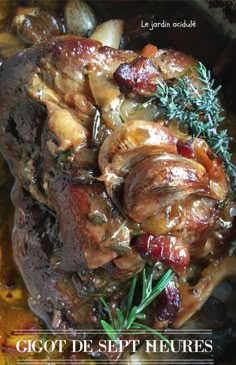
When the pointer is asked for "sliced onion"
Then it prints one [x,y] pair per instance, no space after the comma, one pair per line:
[104,90]
[109,33]
[107,96]
[133,109]
[67,130]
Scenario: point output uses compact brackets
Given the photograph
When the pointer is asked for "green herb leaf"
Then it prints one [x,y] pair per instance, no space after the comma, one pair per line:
[127,319]
[151,295]
[97,217]
[106,306]
[199,109]
[148,329]
[109,330]
[120,316]
[131,294]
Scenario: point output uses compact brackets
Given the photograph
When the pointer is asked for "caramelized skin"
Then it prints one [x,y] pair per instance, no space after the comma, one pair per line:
[190,218]
[154,182]
[130,144]
[173,64]
[139,77]
[167,249]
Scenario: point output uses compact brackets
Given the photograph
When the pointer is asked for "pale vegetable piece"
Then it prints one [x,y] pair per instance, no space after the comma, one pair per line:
[107,96]
[109,33]
[9,45]
[66,127]
[68,131]
[105,91]
[135,109]
[39,90]
[79,17]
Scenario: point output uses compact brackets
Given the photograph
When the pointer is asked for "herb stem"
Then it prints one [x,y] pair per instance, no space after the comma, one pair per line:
[161,284]
[126,319]
[199,109]
[148,329]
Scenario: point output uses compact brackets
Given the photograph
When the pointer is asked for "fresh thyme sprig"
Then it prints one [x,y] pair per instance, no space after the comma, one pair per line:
[126,316]
[199,109]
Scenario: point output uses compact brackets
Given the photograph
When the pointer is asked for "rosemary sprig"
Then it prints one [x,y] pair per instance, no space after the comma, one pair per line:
[127,316]
[199,109]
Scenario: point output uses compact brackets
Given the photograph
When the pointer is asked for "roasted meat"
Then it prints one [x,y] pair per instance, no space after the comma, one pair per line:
[106,185]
